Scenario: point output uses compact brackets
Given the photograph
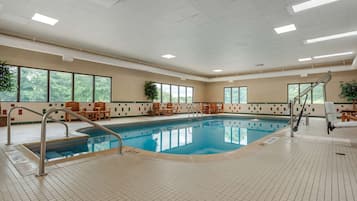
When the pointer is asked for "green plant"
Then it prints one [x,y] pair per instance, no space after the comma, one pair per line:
[349,90]
[6,83]
[151,90]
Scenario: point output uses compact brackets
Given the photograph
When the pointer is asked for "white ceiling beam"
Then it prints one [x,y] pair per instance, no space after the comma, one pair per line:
[302,72]
[25,44]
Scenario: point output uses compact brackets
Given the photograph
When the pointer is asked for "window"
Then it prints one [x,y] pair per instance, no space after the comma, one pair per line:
[182,94]
[174,94]
[235,95]
[303,87]
[38,85]
[228,95]
[189,94]
[165,93]
[293,91]
[11,95]
[102,89]
[83,88]
[33,85]
[316,96]
[158,88]
[243,95]
[60,86]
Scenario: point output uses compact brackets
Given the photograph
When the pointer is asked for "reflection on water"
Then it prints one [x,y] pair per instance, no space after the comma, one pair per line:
[236,135]
[167,140]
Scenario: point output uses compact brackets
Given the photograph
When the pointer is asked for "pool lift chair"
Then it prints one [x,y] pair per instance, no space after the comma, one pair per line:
[332,122]
[304,94]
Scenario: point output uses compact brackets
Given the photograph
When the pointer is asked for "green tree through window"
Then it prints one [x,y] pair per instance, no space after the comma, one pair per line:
[60,86]
[102,89]
[33,85]
[11,95]
[83,88]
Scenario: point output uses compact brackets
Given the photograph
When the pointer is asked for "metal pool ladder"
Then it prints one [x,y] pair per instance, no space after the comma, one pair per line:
[41,169]
[30,110]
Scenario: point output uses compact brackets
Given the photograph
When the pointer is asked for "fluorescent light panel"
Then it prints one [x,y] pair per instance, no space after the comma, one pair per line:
[217,70]
[284,29]
[44,19]
[311,4]
[305,59]
[168,56]
[333,55]
[331,37]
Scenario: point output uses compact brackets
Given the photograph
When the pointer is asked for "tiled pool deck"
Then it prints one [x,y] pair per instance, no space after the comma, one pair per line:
[302,168]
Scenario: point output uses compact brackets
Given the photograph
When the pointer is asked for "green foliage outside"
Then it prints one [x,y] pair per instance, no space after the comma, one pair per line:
[33,86]
[6,77]
[60,86]
[349,90]
[8,82]
[150,90]
[102,89]
[83,88]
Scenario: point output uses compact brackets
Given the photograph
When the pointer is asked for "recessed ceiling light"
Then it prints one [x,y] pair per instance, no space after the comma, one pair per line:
[331,37]
[217,70]
[311,4]
[305,59]
[168,56]
[44,19]
[284,29]
[333,55]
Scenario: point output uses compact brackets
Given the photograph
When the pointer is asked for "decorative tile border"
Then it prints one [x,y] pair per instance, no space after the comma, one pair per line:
[128,109]
[118,109]
[280,109]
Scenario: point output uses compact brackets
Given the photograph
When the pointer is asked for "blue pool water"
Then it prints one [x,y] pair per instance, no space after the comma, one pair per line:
[206,136]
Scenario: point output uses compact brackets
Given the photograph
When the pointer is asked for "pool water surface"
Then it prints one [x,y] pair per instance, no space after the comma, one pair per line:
[210,135]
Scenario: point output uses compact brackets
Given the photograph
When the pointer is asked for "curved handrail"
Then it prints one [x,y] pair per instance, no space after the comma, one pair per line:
[30,110]
[41,171]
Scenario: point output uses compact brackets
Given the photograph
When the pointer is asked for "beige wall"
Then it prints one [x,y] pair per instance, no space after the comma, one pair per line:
[128,85]
[275,89]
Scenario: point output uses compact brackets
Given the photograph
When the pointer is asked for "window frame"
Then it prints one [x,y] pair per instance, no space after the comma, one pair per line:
[178,86]
[48,83]
[231,89]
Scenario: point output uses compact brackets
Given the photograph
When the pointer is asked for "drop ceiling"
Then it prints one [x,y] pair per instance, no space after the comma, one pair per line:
[233,35]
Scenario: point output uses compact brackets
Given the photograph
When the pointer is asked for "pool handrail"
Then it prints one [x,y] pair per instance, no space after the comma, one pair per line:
[41,171]
[30,110]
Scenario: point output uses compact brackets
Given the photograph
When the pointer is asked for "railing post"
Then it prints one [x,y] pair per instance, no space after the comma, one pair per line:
[291,118]
[9,127]
[41,168]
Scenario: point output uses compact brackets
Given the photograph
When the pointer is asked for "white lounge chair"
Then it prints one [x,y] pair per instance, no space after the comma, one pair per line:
[331,118]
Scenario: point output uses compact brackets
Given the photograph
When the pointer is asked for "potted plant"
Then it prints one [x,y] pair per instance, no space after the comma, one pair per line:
[349,92]
[151,91]
[6,84]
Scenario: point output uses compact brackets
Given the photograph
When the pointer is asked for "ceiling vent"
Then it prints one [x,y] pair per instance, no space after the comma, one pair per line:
[105,3]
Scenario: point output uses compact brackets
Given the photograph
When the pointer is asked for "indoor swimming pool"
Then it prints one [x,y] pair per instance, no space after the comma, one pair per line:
[208,135]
